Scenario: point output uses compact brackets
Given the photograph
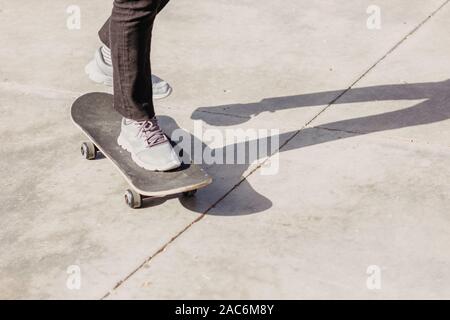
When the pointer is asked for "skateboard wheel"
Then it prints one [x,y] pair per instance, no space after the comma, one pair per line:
[88,150]
[189,194]
[133,199]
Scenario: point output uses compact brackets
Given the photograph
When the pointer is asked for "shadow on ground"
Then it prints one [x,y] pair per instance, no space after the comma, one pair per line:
[434,108]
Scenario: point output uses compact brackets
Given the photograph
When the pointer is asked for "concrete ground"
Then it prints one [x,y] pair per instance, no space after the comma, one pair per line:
[360,207]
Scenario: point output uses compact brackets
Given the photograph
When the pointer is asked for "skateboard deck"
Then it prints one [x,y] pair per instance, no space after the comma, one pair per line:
[94,115]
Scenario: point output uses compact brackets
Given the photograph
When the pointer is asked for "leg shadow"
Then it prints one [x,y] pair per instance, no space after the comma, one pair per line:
[434,108]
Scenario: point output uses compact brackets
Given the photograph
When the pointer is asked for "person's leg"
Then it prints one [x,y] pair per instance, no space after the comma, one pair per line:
[100,69]
[104,31]
[130,28]
[130,32]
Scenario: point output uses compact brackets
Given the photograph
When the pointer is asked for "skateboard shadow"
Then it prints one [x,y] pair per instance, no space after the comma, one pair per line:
[433,108]
[154,202]
[225,176]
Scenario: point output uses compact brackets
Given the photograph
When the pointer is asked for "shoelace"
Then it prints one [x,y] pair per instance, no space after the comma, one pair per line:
[152,133]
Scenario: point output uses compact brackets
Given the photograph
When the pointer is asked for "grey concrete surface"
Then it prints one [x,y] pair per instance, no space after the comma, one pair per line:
[318,237]
[364,172]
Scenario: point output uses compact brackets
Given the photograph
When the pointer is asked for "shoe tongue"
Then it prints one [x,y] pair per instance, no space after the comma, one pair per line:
[128,121]
[145,123]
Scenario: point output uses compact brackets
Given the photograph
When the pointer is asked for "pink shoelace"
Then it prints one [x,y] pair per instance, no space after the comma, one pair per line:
[151,132]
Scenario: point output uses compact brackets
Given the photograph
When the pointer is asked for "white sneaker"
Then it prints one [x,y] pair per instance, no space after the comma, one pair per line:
[149,146]
[100,70]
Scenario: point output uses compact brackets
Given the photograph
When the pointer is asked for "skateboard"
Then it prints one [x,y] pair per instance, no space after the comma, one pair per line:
[94,115]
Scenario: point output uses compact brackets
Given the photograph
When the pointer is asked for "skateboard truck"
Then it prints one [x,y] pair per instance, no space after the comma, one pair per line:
[134,200]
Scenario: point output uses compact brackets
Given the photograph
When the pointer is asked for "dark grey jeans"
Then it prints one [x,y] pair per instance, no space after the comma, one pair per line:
[128,33]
